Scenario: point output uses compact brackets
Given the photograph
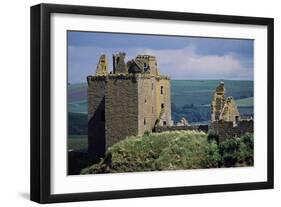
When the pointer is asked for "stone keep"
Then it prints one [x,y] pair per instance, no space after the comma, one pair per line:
[134,98]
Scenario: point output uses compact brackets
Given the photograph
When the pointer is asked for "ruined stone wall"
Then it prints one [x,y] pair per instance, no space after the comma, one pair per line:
[148,63]
[121,107]
[147,104]
[153,65]
[119,65]
[229,129]
[230,111]
[151,100]
[96,112]
[217,103]
[102,66]
[163,101]
[203,128]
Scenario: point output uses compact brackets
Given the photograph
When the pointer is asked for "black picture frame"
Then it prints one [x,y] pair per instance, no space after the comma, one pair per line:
[41,95]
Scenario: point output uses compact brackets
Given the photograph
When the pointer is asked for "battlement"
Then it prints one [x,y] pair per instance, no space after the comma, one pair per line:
[127,101]
[128,76]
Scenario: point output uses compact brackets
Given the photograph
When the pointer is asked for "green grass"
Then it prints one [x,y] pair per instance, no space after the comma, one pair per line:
[78,106]
[77,123]
[183,93]
[245,102]
[77,142]
[200,92]
[186,92]
[159,151]
[175,150]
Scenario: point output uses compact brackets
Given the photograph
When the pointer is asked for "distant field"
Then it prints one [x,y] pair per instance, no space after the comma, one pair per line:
[200,92]
[190,99]
[183,92]
[245,102]
[78,106]
[76,142]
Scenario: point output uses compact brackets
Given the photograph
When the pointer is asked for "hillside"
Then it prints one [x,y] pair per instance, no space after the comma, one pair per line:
[190,99]
[183,92]
[174,150]
[159,151]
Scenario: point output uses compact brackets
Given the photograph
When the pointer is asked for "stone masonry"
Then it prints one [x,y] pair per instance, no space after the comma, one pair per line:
[130,100]
[225,118]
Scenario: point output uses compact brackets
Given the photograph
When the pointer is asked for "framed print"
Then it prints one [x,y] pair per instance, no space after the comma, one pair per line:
[133,103]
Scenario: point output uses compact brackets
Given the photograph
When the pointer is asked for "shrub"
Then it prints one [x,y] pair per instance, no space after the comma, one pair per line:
[213,137]
[159,151]
[247,149]
[229,150]
[174,150]
[238,151]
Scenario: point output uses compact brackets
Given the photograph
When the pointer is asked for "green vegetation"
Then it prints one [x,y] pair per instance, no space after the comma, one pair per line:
[200,92]
[77,123]
[78,106]
[245,102]
[191,112]
[159,151]
[77,142]
[237,151]
[175,150]
[191,98]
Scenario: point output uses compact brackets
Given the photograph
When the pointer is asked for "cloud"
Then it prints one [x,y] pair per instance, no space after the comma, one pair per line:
[187,64]
[184,63]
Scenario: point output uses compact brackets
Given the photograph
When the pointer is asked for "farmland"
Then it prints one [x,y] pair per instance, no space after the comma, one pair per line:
[190,99]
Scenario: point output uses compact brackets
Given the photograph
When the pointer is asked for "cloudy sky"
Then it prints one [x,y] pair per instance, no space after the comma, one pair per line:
[182,58]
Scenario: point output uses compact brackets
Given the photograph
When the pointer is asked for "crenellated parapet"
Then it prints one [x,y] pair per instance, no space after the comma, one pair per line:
[127,101]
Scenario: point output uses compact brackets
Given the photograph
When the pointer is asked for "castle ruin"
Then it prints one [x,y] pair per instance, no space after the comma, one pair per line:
[225,118]
[135,98]
[130,100]
[223,109]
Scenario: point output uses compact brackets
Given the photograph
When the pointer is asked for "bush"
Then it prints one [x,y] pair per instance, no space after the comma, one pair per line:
[175,150]
[229,150]
[247,149]
[159,151]
[237,151]
[213,137]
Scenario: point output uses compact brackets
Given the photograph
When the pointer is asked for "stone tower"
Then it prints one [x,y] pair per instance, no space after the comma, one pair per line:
[217,102]
[223,109]
[134,98]
[102,66]
[119,65]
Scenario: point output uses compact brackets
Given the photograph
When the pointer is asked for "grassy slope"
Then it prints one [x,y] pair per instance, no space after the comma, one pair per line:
[196,92]
[200,92]
[159,151]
